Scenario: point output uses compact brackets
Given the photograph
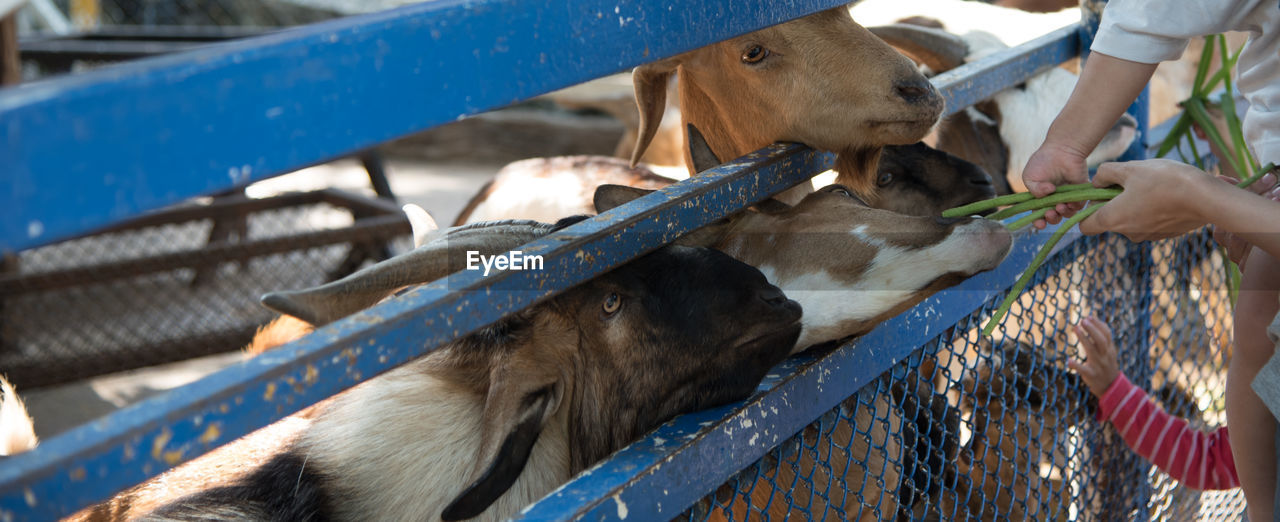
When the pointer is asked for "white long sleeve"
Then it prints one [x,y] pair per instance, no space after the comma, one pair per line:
[1151,31]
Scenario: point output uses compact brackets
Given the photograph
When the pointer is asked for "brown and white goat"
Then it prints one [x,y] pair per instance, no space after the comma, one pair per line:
[822,80]
[916,180]
[849,265]
[499,418]
[1019,406]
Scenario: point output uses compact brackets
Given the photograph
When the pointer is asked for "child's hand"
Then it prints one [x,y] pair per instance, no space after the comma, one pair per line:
[1100,368]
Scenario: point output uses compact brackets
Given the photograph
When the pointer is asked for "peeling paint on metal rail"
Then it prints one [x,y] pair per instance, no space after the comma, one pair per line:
[81,152]
[661,475]
[92,462]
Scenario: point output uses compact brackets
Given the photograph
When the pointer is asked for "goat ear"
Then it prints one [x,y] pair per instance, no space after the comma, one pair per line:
[703,157]
[609,197]
[612,196]
[772,206]
[523,395]
[711,235]
[650,82]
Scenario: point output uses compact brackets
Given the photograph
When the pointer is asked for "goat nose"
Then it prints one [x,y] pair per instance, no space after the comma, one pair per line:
[773,296]
[981,180]
[945,221]
[915,90]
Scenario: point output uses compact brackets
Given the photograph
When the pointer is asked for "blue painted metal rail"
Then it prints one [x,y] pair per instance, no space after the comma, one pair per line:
[83,152]
[291,99]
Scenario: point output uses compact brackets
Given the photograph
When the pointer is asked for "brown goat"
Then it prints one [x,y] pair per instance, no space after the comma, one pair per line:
[822,80]
[1018,405]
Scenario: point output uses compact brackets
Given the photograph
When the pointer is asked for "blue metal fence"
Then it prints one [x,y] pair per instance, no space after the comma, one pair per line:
[166,129]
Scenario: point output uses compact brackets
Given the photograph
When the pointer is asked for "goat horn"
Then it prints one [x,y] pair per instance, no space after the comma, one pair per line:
[938,49]
[440,257]
[421,223]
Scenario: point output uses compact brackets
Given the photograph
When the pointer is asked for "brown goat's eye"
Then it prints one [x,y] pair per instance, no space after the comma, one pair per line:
[612,303]
[884,179]
[842,191]
[754,54]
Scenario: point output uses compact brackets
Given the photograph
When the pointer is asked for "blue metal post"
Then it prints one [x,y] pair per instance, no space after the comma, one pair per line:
[1136,496]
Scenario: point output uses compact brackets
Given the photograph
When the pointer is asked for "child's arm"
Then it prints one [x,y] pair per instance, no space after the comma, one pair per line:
[1165,198]
[1196,459]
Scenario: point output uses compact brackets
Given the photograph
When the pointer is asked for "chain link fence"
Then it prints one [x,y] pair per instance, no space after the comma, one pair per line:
[179,284]
[973,428]
[254,13]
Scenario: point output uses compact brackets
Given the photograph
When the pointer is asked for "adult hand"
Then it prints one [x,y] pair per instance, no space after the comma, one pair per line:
[1099,368]
[1237,248]
[1053,165]
[1156,202]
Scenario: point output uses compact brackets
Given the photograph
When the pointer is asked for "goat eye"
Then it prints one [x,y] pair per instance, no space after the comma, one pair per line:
[843,192]
[755,54]
[884,179]
[612,303]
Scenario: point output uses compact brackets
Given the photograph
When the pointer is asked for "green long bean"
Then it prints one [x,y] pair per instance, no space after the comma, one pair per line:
[1009,199]
[1035,264]
[1054,199]
[1257,175]
[986,204]
[1027,220]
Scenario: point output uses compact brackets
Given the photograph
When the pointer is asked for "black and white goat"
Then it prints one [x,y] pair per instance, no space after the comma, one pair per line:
[501,417]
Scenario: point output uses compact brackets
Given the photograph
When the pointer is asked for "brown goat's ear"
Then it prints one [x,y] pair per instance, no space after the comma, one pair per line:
[772,206]
[650,82]
[609,197]
[613,196]
[703,157]
[523,396]
[856,169]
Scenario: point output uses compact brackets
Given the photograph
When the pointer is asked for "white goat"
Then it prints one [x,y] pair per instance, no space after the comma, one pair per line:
[1011,26]
[17,432]
[1001,133]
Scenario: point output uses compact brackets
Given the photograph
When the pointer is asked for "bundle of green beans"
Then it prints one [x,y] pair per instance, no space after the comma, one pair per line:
[1196,111]
[1023,202]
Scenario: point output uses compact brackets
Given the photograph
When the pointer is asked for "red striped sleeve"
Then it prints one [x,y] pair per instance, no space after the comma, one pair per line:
[1197,459]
